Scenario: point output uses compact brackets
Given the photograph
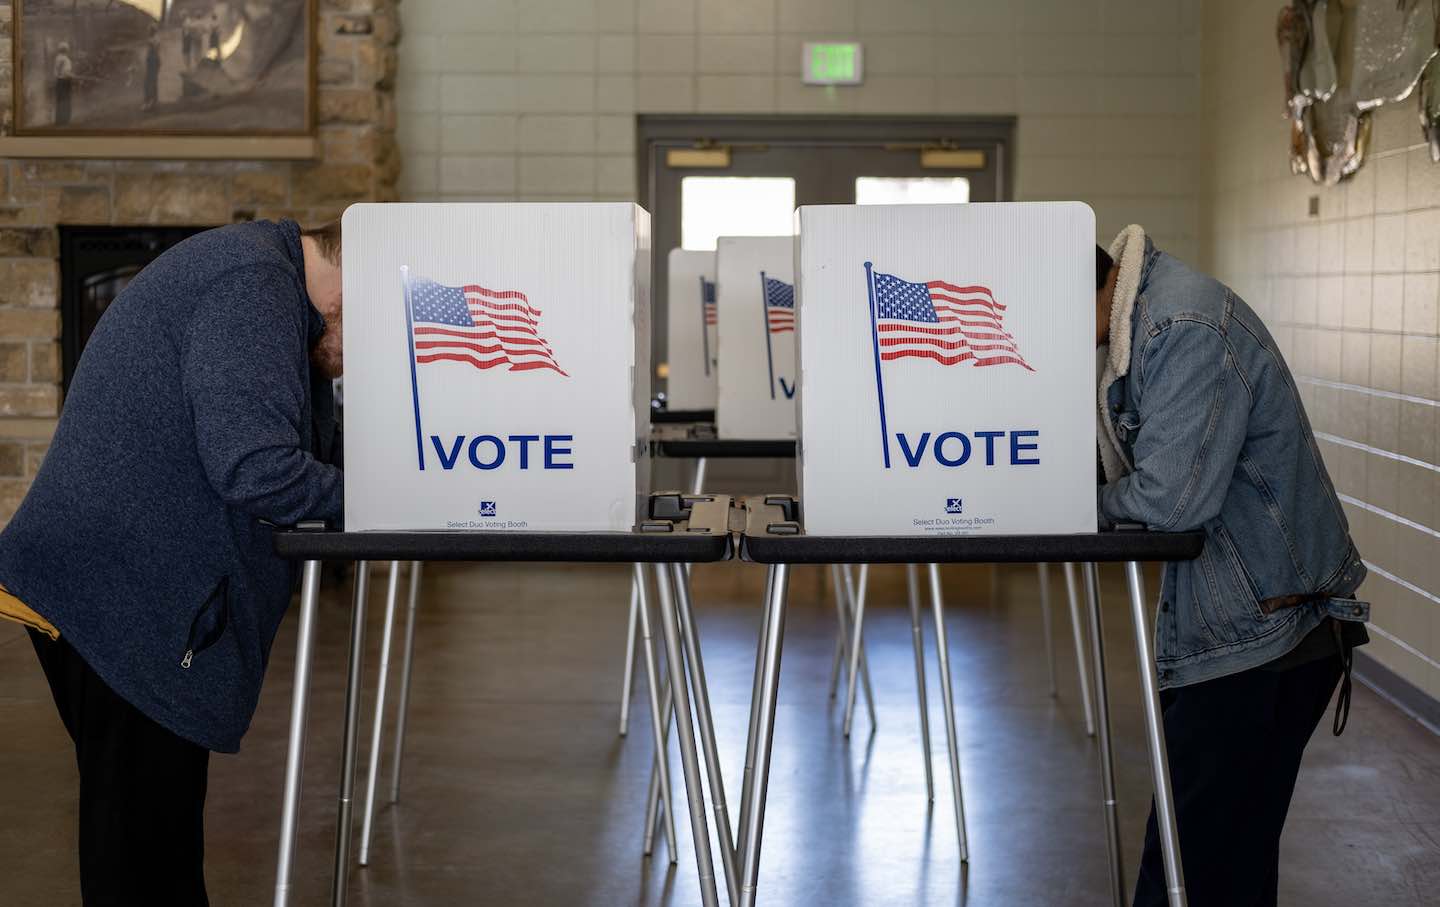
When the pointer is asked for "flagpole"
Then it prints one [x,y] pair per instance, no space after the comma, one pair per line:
[765,314]
[704,326]
[879,380]
[414,383]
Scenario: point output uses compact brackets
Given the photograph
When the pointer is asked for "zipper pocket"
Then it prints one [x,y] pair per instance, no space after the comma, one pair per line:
[209,623]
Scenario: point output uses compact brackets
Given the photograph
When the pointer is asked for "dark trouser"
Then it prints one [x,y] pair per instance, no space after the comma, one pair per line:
[1234,745]
[142,792]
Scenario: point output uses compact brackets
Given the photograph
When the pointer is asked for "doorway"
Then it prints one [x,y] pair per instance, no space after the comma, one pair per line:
[708,176]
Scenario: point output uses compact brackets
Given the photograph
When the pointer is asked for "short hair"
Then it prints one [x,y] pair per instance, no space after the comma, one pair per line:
[1103,264]
[327,237]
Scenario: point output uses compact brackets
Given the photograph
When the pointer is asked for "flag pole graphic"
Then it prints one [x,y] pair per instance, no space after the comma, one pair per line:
[410,338]
[765,316]
[704,326]
[879,380]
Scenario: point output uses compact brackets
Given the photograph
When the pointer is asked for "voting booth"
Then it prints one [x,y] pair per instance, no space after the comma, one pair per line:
[758,379]
[496,366]
[693,338]
[947,367]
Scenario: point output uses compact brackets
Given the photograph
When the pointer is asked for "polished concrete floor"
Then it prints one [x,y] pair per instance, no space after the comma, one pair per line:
[518,790]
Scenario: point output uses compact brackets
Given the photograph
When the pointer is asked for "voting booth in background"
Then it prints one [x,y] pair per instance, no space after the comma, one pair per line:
[693,341]
[758,380]
[947,365]
[496,366]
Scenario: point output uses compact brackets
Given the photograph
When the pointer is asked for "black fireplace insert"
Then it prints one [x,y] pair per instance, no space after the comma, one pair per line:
[96,263]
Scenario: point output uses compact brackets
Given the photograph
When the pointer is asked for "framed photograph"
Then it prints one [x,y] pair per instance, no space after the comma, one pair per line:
[216,69]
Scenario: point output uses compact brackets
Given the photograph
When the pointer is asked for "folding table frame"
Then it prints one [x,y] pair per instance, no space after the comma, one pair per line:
[773,536]
[679,531]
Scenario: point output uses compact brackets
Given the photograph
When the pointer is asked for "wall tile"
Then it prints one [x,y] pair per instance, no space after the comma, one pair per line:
[666,17]
[817,15]
[665,94]
[983,55]
[723,94]
[1389,232]
[557,134]
[1417,366]
[1389,183]
[899,55]
[969,17]
[615,16]
[615,134]
[1070,17]
[555,53]
[555,94]
[488,173]
[1359,245]
[615,53]
[437,18]
[896,95]
[737,54]
[1422,292]
[479,134]
[422,132]
[1355,310]
[1329,301]
[1422,180]
[1422,240]
[615,175]
[477,94]
[476,53]
[615,94]
[730,17]
[557,174]
[550,16]
[896,16]
[1387,301]
[665,54]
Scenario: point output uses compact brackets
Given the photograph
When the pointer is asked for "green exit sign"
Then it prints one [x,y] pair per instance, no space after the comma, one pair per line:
[828,63]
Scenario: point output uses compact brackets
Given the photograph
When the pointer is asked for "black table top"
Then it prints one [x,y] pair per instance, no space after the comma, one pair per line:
[716,448]
[689,547]
[1098,547]
[681,416]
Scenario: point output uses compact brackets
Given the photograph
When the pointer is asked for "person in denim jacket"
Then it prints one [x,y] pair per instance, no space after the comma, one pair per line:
[1201,427]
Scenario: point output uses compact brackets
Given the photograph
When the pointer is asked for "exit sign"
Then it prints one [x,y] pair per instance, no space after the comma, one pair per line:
[828,63]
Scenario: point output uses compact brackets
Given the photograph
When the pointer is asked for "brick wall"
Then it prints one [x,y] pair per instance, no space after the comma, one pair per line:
[359,160]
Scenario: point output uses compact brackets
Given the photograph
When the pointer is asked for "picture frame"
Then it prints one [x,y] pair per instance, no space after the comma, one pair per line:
[163,78]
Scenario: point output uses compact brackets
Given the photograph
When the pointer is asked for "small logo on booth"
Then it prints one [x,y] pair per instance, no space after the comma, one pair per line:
[954,505]
[487,508]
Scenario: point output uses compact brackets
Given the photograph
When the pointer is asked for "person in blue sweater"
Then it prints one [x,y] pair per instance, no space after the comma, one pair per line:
[200,416]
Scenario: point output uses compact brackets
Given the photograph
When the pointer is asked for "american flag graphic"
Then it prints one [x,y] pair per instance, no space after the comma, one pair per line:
[779,305]
[946,322]
[478,326]
[707,301]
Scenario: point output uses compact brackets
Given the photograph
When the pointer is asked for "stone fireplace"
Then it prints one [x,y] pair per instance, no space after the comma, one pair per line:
[357,160]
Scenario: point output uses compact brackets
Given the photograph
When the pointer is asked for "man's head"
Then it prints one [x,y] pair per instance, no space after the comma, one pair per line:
[1105,276]
[321,248]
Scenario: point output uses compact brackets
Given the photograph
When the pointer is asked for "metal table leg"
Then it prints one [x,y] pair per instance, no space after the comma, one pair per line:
[752,810]
[403,706]
[1107,753]
[352,727]
[685,728]
[295,754]
[942,646]
[857,656]
[1081,658]
[367,822]
[762,641]
[627,685]
[690,633]
[855,614]
[918,637]
[657,720]
[1155,737]
[1042,572]
[841,634]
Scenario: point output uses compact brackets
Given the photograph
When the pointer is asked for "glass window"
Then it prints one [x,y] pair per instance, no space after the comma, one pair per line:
[715,206]
[923,190]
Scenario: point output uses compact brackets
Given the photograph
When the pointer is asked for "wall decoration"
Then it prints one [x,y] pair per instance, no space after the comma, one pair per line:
[1343,59]
[86,69]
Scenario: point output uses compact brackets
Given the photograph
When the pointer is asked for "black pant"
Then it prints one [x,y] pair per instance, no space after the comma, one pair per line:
[142,792]
[1234,745]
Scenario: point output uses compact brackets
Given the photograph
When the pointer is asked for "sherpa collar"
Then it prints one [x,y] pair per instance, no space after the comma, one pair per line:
[1128,250]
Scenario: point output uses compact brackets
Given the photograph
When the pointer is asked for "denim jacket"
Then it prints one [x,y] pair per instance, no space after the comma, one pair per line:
[1206,430]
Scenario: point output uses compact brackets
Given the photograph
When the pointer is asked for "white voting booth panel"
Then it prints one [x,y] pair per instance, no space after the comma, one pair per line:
[497,366]
[693,340]
[756,286]
[947,366]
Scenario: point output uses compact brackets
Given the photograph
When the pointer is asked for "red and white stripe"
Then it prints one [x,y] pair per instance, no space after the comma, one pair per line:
[506,332]
[780,319]
[971,329]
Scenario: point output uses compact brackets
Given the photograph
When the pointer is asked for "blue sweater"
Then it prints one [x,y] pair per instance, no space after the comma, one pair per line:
[193,417]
